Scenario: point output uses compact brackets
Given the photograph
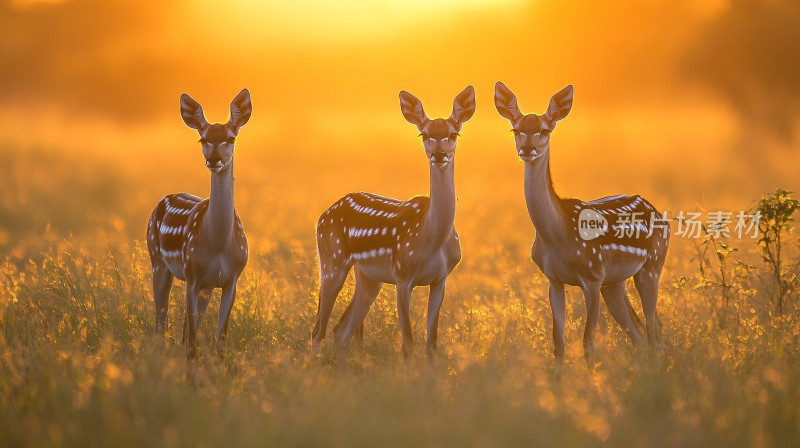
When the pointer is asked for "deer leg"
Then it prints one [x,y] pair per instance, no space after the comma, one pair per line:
[404,317]
[359,334]
[558,308]
[640,327]
[162,284]
[328,291]
[225,307]
[435,299]
[203,298]
[366,290]
[185,329]
[646,281]
[192,292]
[592,296]
[616,299]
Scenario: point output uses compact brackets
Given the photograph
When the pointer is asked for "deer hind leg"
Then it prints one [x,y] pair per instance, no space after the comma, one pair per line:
[330,285]
[616,298]
[646,281]
[637,322]
[359,334]
[366,290]
[162,284]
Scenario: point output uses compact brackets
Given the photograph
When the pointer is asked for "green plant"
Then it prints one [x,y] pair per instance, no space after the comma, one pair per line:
[776,212]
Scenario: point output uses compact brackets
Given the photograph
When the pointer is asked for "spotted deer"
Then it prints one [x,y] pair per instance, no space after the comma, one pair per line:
[630,238]
[201,241]
[405,243]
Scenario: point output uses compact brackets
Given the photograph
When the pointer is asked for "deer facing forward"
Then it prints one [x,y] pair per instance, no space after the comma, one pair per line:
[201,241]
[599,261]
[405,243]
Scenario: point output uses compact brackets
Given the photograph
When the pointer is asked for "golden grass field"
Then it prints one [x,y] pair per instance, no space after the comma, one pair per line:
[80,366]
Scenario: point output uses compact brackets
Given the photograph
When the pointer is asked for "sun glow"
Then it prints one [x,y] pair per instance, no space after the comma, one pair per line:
[27,3]
[341,20]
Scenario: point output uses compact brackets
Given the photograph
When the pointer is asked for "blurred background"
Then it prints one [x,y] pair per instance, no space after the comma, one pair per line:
[691,103]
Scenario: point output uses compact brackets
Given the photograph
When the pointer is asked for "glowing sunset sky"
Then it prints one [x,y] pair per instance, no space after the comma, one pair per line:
[651,77]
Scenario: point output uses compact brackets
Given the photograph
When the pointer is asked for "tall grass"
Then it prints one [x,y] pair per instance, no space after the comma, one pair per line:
[79,364]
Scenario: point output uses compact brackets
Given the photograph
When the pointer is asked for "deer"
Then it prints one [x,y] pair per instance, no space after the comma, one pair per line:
[201,241]
[404,243]
[570,250]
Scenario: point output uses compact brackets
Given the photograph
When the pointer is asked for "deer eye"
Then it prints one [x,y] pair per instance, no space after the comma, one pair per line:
[515,131]
[230,141]
[424,136]
[203,140]
[453,136]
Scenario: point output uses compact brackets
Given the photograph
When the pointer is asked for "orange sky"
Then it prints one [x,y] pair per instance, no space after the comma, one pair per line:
[660,82]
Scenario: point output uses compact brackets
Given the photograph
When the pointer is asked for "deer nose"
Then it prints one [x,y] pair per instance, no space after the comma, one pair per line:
[213,161]
[527,151]
[439,158]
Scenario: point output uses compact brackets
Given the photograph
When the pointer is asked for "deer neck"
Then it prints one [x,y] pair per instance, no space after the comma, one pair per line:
[544,205]
[442,209]
[218,220]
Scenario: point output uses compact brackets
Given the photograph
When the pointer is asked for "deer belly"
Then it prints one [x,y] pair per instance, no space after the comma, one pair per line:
[176,268]
[434,268]
[554,267]
[217,273]
[617,272]
[212,278]
[379,269]
[560,273]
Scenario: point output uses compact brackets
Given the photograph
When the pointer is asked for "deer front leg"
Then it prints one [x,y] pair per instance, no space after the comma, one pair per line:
[435,300]
[558,308]
[225,306]
[192,292]
[203,297]
[404,317]
[592,296]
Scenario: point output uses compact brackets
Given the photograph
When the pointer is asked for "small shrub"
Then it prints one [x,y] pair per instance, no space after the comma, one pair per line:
[775,231]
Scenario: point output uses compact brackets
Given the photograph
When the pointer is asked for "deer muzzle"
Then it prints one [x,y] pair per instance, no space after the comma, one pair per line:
[214,164]
[528,153]
[439,159]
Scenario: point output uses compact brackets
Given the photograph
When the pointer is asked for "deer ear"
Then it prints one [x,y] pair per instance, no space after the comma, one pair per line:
[560,105]
[412,109]
[241,108]
[192,113]
[463,106]
[506,102]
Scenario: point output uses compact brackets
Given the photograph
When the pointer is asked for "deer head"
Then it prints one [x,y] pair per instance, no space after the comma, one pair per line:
[439,135]
[531,131]
[217,139]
